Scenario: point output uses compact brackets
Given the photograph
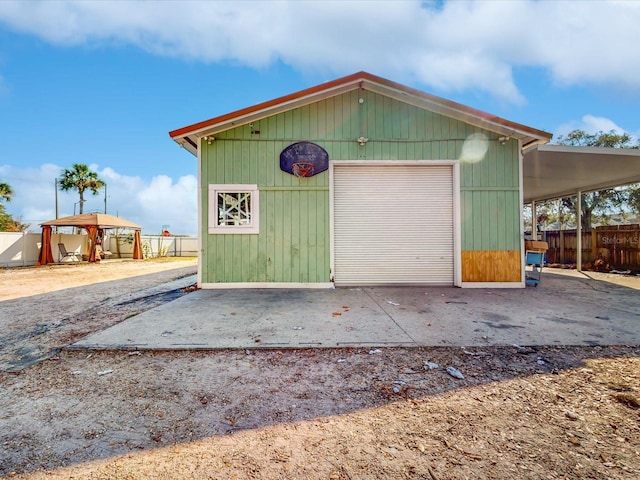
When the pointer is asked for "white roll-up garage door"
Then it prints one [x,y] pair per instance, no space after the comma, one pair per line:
[393,224]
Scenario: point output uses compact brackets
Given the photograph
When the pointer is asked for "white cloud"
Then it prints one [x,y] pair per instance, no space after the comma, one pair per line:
[591,124]
[174,205]
[149,203]
[457,45]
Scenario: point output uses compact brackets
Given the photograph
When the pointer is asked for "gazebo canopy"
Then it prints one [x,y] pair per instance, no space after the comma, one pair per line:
[91,222]
[99,220]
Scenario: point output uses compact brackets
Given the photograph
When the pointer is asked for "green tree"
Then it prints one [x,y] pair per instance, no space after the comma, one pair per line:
[80,178]
[6,192]
[10,224]
[7,222]
[634,199]
[611,139]
[603,202]
[549,212]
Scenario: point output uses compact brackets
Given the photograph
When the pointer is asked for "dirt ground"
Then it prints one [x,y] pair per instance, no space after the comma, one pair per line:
[519,412]
[29,281]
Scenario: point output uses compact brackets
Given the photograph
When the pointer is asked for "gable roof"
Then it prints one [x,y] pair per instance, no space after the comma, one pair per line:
[188,136]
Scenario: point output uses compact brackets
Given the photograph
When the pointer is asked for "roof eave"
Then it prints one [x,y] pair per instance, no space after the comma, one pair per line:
[528,135]
[189,136]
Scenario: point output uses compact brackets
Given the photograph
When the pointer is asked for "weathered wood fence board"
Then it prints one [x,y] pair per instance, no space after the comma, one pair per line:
[617,246]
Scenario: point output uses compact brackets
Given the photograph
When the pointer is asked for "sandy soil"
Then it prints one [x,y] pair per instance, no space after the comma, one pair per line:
[521,413]
[42,309]
[29,281]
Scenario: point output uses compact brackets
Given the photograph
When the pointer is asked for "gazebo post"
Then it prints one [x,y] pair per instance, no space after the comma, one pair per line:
[137,246]
[92,233]
[46,255]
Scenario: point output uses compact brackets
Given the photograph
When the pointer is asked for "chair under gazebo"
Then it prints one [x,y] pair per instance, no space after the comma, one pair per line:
[92,223]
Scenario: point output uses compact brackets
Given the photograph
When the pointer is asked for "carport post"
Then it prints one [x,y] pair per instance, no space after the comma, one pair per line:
[579,232]
[534,222]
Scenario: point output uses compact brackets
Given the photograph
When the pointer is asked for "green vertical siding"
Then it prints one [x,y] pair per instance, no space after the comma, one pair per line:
[293,244]
[490,200]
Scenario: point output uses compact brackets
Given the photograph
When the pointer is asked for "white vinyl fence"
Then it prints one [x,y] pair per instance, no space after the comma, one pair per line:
[22,249]
[19,249]
[121,246]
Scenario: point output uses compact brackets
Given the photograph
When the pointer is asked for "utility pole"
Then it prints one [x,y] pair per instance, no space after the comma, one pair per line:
[105,198]
[55,183]
[56,188]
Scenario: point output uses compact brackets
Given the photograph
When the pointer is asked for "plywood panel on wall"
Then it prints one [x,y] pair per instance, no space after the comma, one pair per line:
[491,266]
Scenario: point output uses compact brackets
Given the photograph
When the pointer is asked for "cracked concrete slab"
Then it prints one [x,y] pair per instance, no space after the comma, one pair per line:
[566,309]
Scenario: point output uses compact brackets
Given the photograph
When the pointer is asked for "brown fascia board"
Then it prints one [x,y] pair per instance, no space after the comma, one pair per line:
[460,112]
[454,109]
[361,79]
[292,97]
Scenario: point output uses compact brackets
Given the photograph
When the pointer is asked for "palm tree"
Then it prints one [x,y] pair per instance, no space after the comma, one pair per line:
[80,178]
[5,192]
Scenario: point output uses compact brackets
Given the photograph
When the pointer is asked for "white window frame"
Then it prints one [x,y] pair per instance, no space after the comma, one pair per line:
[253,227]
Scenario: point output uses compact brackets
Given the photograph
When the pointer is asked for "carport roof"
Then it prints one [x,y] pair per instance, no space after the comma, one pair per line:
[555,171]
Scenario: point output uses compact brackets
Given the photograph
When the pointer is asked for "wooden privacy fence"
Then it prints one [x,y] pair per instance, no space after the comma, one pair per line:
[603,248]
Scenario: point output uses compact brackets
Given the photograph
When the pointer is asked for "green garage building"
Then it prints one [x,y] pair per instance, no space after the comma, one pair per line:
[359,181]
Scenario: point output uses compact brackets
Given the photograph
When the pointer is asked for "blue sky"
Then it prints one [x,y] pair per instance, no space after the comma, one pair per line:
[103,83]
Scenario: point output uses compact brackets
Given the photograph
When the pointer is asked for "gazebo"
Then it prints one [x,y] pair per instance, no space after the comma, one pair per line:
[91,222]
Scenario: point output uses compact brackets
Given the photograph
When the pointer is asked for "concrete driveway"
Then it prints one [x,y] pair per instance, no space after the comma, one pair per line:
[568,308]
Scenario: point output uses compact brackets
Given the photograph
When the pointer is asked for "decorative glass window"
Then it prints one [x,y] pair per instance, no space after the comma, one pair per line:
[233,208]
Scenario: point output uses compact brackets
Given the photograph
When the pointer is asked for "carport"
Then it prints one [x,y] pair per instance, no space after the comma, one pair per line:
[557,171]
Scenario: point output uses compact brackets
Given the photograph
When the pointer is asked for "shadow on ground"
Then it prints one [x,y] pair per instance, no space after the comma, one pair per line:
[81,407]
[347,407]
